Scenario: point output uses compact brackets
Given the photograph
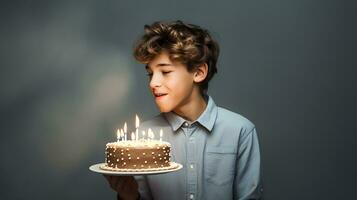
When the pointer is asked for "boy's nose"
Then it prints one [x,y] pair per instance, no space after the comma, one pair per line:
[155,81]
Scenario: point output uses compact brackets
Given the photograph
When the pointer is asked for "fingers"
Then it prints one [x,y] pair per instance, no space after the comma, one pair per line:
[125,186]
[117,183]
[122,183]
[130,185]
[112,180]
[107,177]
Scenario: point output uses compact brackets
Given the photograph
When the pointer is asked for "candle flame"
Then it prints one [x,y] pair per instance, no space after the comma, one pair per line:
[149,133]
[118,134]
[137,121]
[143,132]
[132,136]
[121,133]
[161,133]
[125,128]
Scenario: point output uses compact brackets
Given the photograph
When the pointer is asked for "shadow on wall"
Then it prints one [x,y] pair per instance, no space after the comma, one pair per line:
[66,82]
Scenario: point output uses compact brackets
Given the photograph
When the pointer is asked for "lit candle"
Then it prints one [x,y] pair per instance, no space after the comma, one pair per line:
[125,131]
[149,133]
[121,134]
[132,136]
[161,135]
[137,122]
[152,135]
[143,132]
[118,135]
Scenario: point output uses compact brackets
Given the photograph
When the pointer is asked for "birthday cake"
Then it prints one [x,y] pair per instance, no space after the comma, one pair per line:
[138,155]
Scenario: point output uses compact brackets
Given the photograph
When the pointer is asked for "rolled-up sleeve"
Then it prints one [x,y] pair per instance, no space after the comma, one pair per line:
[247,183]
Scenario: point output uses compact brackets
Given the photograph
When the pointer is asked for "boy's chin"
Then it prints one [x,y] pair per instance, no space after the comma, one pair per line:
[164,109]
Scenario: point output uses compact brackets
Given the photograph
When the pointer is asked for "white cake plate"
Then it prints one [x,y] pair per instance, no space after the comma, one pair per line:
[96,168]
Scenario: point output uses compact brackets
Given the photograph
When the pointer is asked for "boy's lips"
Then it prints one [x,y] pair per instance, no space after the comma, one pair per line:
[159,95]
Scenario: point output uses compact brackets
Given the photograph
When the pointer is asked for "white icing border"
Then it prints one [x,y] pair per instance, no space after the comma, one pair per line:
[138,143]
[173,165]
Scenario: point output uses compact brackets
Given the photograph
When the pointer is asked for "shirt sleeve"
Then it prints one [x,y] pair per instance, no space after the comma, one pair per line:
[247,183]
[144,189]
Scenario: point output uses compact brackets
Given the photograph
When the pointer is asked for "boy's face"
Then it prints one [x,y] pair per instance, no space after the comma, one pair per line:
[170,83]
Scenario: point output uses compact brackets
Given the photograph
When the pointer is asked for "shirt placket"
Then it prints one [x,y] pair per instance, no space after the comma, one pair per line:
[191,162]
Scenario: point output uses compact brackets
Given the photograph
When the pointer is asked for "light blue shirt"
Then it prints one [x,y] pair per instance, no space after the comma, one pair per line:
[219,153]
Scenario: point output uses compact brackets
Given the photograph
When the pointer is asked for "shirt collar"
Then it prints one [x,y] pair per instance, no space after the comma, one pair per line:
[206,119]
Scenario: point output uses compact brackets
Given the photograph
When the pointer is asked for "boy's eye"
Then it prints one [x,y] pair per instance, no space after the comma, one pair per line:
[166,72]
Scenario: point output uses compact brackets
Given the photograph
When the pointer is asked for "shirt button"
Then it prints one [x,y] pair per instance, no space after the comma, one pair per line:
[192,196]
[185,124]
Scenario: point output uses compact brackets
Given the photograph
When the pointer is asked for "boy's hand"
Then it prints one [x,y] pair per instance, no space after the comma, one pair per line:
[125,186]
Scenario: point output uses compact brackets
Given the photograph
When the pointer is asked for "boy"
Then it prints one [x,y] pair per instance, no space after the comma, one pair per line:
[218,148]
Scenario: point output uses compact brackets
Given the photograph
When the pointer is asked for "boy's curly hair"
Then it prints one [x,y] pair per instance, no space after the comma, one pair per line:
[186,43]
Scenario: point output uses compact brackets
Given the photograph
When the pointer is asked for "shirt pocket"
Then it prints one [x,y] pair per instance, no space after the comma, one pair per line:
[219,164]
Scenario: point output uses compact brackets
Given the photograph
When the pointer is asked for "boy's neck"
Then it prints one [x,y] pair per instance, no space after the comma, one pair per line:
[193,108]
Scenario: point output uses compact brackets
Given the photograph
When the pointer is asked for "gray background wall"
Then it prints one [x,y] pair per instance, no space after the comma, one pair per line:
[68,80]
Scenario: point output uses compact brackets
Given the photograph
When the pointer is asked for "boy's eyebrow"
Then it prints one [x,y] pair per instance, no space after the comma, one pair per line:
[159,65]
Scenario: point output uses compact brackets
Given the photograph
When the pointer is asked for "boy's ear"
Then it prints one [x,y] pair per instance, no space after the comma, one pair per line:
[200,73]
